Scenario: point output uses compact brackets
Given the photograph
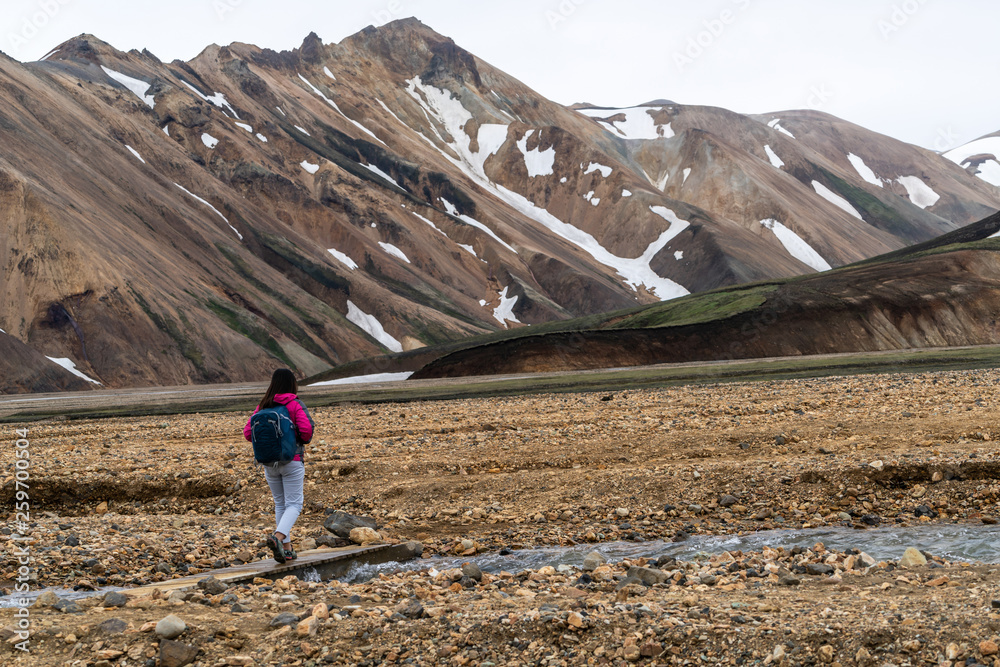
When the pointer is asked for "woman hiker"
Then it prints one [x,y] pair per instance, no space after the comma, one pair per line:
[286,479]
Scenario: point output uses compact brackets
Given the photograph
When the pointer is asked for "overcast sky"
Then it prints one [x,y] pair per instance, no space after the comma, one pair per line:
[924,71]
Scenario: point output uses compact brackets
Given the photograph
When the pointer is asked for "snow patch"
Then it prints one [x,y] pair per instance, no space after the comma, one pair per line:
[248,128]
[326,70]
[538,162]
[835,199]
[70,365]
[394,251]
[303,130]
[776,161]
[135,153]
[775,126]
[687,172]
[209,140]
[309,166]
[796,246]
[989,170]
[262,137]
[346,117]
[638,123]
[429,222]
[505,311]
[448,206]
[864,171]
[921,194]
[370,325]
[216,99]
[563,179]
[280,111]
[468,248]
[378,172]
[626,193]
[166,130]
[194,196]
[342,258]
[679,255]
[365,379]
[595,166]
[138,87]
[48,55]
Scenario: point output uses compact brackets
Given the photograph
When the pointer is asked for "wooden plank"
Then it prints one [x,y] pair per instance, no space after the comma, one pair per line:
[261,568]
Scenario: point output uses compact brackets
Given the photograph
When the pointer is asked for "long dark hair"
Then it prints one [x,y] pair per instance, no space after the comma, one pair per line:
[282,382]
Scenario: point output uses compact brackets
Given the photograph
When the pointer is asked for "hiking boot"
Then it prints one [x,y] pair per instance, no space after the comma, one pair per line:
[290,554]
[275,546]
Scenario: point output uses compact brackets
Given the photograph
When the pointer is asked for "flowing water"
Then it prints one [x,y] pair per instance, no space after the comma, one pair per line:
[954,542]
[961,542]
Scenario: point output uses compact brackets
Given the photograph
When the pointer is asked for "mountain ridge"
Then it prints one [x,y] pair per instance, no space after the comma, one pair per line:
[313,206]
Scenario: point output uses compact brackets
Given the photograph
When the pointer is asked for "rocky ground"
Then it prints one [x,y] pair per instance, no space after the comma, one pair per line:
[133,501]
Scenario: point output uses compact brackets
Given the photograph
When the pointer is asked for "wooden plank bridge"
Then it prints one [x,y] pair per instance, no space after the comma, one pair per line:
[323,560]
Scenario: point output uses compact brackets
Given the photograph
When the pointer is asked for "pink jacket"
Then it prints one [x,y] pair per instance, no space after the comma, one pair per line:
[300,417]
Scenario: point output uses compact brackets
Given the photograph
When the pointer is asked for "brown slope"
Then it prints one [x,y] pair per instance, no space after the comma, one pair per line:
[945,298]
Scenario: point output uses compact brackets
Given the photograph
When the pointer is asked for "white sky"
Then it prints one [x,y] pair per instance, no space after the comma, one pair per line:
[920,70]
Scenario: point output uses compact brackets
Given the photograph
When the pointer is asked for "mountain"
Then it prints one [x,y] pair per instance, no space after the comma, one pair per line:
[936,294]
[205,221]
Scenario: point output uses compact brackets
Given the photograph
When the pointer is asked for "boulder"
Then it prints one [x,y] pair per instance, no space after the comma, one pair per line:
[176,654]
[170,627]
[912,558]
[341,523]
[646,575]
[592,561]
[364,536]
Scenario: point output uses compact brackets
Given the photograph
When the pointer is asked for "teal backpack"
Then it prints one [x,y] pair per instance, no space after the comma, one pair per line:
[273,436]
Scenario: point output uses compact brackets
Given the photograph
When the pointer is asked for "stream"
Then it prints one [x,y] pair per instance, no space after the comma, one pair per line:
[958,542]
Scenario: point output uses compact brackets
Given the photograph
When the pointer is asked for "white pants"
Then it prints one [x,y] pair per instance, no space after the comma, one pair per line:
[286,481]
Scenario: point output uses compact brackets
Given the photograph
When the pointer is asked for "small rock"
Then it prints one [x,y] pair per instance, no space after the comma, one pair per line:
[622,511]
[818,569]
[410,609]
[788,580]
[988,647]
[102,508]
[320,611]
[727,500]
[308,627]
[114,599]
[952,651]
[647,576]
[912,558]
[364,536]
[212,586]
[592,561]
[307,544]
[113,626]
[826,653]
[170,627]
[284,618]
[176,654]
[877,465]
[472,571]
[46,599]
[576,620]
[67,607]
[871,519]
